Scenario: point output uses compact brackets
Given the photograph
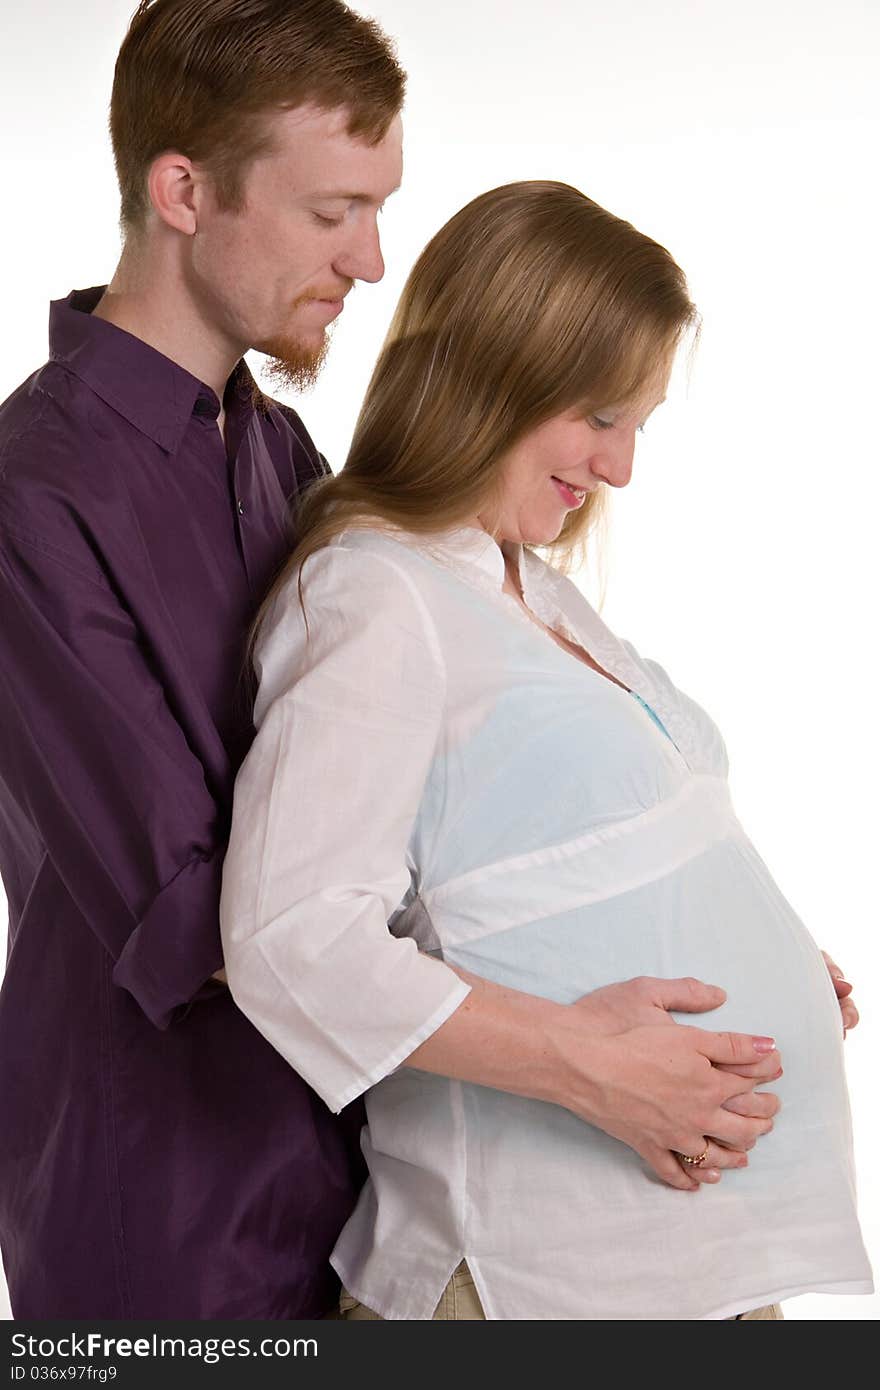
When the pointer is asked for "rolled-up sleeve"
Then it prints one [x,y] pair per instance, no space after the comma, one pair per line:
[349,719]
[94,758]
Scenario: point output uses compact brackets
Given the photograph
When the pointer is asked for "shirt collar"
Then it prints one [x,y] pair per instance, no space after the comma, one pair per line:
[466,548]
[148,389]
[473,552]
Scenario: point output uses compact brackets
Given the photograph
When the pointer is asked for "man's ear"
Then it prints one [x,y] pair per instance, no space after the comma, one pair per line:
[172,188]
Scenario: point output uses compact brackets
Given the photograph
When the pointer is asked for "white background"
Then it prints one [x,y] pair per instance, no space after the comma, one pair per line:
[744,554]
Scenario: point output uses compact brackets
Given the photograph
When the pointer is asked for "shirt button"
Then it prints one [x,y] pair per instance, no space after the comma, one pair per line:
[240,507]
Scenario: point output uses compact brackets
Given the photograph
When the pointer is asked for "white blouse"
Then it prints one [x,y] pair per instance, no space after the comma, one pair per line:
[434,779]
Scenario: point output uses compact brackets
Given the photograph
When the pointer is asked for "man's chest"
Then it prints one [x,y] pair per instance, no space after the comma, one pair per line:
[193,560]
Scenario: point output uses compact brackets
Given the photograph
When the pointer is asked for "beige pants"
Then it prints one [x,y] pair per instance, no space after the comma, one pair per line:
[459,1301]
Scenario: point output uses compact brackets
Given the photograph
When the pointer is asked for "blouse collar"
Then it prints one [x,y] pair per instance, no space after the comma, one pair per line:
[473,553]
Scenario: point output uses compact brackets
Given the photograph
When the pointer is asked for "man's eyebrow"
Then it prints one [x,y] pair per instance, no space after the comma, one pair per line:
[328,194]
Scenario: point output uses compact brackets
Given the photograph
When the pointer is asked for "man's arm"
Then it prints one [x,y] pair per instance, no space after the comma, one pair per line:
[91,752]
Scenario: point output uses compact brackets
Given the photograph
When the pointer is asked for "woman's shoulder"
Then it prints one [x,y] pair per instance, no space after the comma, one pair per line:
[420,563]
[360,583]
[366,546]
[356,556]
[359,613]
[366,565]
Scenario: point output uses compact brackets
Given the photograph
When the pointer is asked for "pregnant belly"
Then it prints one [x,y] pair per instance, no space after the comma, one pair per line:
[679,891]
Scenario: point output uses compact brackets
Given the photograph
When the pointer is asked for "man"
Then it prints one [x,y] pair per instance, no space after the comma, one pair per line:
[159,1159]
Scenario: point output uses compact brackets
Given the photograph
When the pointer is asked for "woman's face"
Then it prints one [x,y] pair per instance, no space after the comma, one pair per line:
[550,471]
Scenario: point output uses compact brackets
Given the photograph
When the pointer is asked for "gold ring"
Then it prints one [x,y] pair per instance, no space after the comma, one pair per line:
[695,1162]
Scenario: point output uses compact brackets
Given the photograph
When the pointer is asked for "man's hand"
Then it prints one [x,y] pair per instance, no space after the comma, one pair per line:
[644,1003]
[843,989]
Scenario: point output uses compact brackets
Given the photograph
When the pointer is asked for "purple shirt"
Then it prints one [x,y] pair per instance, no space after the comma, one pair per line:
[158,1158]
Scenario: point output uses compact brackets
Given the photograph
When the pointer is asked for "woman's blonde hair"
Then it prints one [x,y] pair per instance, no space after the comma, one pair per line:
[530,301]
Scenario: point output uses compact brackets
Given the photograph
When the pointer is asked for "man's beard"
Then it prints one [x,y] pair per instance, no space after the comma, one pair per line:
[293,364]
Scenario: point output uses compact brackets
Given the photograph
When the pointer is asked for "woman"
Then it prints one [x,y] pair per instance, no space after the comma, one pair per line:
[504,797]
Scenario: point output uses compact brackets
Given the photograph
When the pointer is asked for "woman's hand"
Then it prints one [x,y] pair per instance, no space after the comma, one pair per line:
[644,1002]
[617,1061]
[647,1000]
[658,1089]
[848,1011]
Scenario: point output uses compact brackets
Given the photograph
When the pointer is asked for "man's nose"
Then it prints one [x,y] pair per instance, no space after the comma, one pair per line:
[362,258]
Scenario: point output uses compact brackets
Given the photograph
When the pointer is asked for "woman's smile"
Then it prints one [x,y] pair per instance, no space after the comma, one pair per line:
[572,496]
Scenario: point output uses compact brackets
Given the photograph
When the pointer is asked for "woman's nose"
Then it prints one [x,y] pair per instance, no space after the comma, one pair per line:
[613,459]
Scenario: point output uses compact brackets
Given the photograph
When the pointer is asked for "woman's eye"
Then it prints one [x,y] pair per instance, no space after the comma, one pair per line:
[325,221]
[599,424]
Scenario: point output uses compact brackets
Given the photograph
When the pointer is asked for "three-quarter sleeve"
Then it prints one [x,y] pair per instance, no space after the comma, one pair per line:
[92,754]
[349,718]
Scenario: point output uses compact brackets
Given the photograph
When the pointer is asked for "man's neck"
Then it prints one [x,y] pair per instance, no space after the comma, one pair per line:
[146,300]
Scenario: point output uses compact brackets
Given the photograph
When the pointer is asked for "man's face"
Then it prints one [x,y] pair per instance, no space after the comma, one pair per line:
[273,275]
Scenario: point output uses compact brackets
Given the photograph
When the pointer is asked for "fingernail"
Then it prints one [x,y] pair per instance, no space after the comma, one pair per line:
[743,1162]
[712,1174]
[764,1045]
